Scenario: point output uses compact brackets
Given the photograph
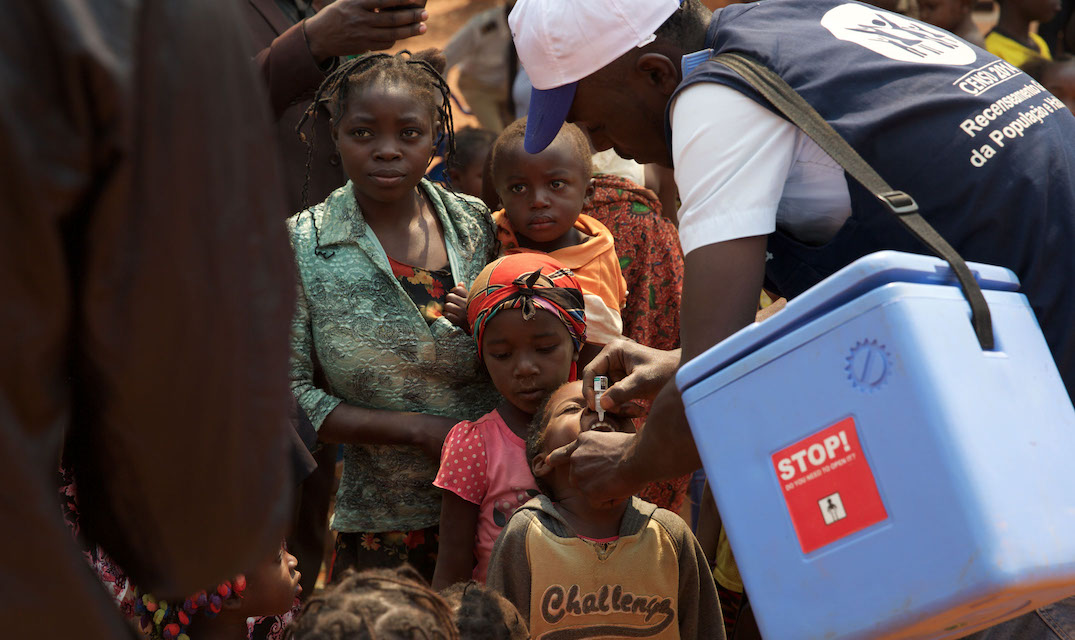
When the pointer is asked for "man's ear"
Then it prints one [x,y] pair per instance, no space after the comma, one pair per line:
[661,72]
[539,467]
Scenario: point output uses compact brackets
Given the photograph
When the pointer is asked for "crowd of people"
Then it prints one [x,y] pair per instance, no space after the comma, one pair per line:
[246,247]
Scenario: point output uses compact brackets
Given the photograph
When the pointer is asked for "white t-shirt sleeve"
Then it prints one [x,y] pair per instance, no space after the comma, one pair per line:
[732,157]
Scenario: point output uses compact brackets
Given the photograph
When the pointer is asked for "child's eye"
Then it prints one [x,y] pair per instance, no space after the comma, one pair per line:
[558,184]
[517,188]
[548,349]
[412,133]
[499,356]
[361,133]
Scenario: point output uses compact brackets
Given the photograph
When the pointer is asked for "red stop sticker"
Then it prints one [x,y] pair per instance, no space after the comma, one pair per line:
[828,486]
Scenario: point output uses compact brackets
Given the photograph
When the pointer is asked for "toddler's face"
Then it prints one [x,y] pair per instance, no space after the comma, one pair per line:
[468,180]
[568,416]
[542,194]
[271,587]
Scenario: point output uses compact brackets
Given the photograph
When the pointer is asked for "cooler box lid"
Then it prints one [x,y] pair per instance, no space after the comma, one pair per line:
[859,277]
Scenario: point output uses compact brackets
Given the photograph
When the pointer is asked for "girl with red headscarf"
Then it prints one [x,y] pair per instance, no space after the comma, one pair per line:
[528,318]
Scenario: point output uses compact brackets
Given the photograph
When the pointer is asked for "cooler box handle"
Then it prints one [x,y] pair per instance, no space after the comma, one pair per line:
[902,205]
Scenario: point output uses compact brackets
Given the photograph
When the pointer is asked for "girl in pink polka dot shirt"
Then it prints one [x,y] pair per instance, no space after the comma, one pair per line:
[527,317]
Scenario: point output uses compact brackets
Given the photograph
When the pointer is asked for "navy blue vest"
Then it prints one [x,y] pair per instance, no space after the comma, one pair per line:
[988,154]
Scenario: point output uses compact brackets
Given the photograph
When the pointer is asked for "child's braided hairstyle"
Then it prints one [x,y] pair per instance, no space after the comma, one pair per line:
[483,614]
[376,604]
[421,71]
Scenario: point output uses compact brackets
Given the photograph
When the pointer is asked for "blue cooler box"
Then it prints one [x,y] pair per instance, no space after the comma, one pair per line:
[878,474]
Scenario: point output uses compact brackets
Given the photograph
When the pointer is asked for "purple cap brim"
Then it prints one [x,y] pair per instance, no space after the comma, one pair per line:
[548,108]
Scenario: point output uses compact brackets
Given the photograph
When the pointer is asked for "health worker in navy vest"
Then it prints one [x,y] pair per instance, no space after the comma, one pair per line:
[986,152]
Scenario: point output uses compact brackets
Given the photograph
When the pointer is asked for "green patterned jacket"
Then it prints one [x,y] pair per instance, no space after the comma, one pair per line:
[377,351]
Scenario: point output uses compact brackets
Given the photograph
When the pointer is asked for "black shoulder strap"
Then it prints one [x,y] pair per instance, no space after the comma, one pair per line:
[903,206]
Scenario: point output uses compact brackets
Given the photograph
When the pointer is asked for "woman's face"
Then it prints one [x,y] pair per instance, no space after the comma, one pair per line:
[385,139]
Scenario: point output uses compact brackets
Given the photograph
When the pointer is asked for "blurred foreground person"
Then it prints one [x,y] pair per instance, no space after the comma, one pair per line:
[144,317]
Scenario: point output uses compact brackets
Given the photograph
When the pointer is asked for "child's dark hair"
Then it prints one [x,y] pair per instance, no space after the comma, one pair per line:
[376,604]
[471,145]
[535,441]
[484,614]
[512,136]
[421,71]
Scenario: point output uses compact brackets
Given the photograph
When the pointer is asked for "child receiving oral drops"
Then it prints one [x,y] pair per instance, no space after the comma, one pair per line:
[572,568]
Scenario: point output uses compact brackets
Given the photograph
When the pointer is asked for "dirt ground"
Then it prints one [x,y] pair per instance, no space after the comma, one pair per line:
[445,18]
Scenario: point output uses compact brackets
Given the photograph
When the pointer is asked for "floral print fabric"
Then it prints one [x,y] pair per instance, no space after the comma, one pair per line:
[377,351]
[386,549]
[427,288]
[650,258]
[122,591]
[652,263]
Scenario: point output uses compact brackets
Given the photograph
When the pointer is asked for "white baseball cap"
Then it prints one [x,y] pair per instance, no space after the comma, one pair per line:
[562,41]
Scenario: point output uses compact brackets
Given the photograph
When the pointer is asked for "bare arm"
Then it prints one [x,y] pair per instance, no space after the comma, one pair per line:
[347,27]
[348,424]
[292,64]
[720,291]
[458,532]
[338,422]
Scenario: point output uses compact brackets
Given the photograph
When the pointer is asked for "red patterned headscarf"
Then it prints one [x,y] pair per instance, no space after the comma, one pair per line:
[527,281]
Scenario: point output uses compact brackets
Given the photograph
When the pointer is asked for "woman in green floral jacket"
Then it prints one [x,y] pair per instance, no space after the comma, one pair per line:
[375,261]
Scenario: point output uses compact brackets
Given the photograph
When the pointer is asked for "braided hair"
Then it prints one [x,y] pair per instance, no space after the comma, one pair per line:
[421,71]
[483,614]
[376,604]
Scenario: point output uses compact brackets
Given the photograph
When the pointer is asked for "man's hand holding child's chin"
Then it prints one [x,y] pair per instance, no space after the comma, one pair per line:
[600,465]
